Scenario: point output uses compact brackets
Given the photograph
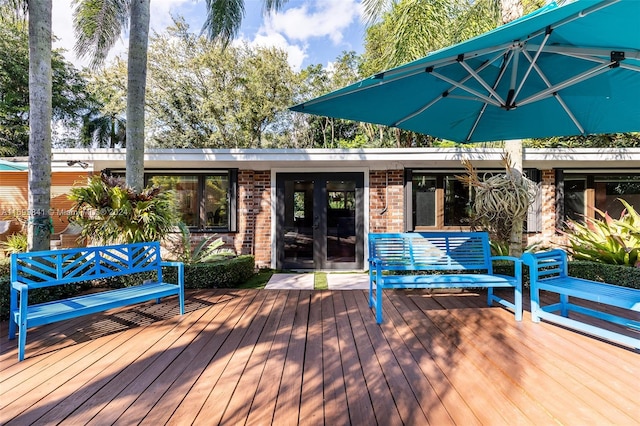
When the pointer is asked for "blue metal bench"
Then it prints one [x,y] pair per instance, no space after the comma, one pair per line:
[456,260]
[57,267]
[548,271]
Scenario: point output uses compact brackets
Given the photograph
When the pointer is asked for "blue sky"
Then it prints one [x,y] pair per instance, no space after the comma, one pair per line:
[311,31]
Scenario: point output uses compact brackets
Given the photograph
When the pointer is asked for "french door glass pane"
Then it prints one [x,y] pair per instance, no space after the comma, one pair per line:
[341,221]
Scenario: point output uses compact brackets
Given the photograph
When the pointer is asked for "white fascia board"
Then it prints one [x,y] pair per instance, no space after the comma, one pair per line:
[592,158]
[373,159]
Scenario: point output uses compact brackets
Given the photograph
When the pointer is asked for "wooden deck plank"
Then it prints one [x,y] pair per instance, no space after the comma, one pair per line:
[360,409]
[101,371]
[211,338]
[534,372]
[476,386]
[233,331]
[405,400]
[317,357]
[380,394]
[289,394]
[187,348]
[312,394]
[334,387]
[264,402]
[234,355]
[239,405]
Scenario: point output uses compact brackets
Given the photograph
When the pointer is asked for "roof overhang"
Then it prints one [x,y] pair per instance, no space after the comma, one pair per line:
[372,159]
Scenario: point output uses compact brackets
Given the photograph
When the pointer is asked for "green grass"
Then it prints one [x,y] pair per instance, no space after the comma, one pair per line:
[259,280]
[320,281]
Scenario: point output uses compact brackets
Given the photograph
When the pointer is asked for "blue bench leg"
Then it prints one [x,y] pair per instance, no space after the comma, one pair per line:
[518,302]
[535,304]
[564,301]
[22,339]
[12,322]
[379,292]
[490,296]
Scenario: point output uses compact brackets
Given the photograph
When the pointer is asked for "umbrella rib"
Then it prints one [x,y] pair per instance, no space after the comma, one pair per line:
[447,92]
[467,89]
[484,106]
[570,82]
[557,96]
[533,62]
[481,81]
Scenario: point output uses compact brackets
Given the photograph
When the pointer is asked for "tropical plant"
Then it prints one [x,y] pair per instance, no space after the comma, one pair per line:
[500,203]
[606,240]
[110,212]
[15,243]
[209,249]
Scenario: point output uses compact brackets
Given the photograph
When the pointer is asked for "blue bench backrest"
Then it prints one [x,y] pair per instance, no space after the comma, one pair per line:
[54,267]
[432,250]
[547,264]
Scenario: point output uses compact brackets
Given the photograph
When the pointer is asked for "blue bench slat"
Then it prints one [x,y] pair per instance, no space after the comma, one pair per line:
[58,267]
[548,271]
[622,297]
[49,312]
[451,252]
[457,280]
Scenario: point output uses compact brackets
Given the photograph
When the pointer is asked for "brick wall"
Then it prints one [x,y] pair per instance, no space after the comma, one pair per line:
[254,216]
[386,204]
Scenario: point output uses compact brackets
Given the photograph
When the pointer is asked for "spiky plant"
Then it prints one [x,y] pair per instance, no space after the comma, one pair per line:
[500,203]
[606,240]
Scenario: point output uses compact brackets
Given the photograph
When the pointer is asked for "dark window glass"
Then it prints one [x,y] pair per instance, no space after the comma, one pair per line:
[203,201]
[424,200]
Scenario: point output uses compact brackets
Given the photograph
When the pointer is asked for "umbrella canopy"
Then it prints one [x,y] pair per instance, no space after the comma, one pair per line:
[560,71]
[9,166]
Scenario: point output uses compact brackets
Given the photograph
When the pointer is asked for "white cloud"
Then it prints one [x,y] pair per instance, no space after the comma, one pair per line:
[295,29]
[322,18]
[295,53]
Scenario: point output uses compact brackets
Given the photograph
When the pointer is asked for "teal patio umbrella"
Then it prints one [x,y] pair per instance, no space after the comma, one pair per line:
[560,71]
[10,166]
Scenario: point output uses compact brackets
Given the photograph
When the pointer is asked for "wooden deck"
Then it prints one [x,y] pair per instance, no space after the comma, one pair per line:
[316,357]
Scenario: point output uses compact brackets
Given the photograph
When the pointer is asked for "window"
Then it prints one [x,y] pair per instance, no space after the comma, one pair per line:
[205,201]
[583,192]
[608,189]
[575,206]
[437,200]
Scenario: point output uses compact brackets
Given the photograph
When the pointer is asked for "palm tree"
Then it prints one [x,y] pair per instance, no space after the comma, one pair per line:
[40,112]
[98,24]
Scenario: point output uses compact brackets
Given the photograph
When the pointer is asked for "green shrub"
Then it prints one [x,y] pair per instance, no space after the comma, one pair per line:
[222,274]
[612,274]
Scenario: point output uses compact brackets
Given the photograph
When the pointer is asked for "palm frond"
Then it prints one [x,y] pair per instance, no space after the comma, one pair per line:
[97,25]
[374,9]
[223,19]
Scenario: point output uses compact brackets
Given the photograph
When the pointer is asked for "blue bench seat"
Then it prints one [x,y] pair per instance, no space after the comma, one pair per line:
[549,272]
[437,260]
[44,269]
